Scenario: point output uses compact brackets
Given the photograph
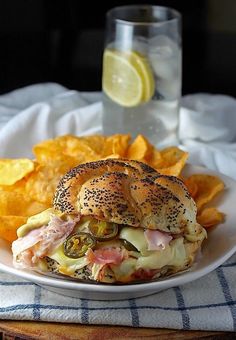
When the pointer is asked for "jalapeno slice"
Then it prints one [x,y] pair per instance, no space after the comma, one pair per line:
[76,245]
[103,230]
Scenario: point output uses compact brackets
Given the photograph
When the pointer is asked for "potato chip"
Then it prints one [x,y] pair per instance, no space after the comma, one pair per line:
[12,170]
[208,187]
[171,162]
[210,217]
[140,149]
[35,207]
[95,142]
[9,225]
[113,155]
[191,186]
[27,187]
[155,159]
[45,151]
[70,149]
[14,203]
[42,183]
[120,145]
[19,186]
[77,147]
[116,144]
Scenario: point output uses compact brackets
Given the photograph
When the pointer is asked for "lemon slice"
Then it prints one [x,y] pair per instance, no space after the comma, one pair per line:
[143,67]
[121,80]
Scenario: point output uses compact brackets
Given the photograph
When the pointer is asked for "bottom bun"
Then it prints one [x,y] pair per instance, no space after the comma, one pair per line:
[142,275]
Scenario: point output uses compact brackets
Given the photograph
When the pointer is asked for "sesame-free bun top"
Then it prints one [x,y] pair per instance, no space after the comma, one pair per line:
[126,192]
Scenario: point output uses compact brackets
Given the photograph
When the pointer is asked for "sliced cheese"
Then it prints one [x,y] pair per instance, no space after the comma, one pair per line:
[196,233]
[179,255]
[173,255]
[67,264]
[136,237]
[125,269]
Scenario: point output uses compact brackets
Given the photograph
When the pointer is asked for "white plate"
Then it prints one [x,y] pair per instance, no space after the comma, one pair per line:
[219,246]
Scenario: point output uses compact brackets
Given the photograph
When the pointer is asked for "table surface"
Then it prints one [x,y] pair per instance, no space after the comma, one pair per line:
[10,330]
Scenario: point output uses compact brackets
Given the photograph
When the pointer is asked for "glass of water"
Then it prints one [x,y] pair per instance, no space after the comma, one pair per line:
[142,72]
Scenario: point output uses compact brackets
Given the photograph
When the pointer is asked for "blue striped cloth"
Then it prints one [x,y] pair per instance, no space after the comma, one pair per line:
[208,303]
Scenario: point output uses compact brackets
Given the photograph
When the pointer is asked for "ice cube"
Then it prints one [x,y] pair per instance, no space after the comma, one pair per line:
[165,57]
[162,45]
[140,44]
[169,89]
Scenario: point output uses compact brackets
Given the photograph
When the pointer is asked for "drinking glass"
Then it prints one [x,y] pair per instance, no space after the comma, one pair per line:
[142,72]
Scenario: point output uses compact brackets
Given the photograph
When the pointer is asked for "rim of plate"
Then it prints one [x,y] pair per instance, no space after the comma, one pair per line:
[126,288]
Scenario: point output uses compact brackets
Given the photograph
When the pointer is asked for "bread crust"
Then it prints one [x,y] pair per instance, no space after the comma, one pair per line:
[126,192]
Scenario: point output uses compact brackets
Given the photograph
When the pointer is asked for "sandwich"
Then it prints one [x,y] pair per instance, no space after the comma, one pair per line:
[112,221]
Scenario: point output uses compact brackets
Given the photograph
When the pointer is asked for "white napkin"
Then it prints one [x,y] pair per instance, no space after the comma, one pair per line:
[29,115]
[65,112]
[207,130]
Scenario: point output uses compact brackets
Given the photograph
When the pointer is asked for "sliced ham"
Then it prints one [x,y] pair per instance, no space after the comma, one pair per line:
[54,234]
[156,240]
[105,256]
[40,242]
[26,242]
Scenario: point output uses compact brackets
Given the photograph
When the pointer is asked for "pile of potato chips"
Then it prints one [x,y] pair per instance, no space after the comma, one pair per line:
[27,186]
[203,188]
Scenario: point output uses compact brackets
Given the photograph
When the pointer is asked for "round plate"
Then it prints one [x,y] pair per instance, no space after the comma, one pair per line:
[219,246]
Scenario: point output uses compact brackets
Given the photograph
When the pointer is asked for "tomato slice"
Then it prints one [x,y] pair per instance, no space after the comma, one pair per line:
[76,245]
[103,230]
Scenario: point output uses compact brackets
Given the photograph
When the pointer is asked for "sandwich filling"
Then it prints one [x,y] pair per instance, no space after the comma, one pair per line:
[85,247]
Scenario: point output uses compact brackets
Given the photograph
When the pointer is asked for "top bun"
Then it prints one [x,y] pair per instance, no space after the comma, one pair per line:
[126,192]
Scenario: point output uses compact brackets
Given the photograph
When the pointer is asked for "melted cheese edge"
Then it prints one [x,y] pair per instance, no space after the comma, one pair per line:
[174,254]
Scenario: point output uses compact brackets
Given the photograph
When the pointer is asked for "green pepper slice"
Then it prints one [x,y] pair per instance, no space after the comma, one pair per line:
[103,231]
[76,245]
